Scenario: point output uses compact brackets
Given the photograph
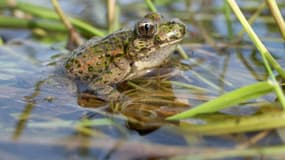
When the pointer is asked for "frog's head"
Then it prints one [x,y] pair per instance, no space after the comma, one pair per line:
[169,32]
[153,32]
[152,26]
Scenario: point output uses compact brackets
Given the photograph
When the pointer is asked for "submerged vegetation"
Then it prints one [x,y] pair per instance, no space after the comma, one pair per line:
[189,99]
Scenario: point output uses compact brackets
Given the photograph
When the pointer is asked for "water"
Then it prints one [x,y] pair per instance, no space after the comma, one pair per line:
[40,116]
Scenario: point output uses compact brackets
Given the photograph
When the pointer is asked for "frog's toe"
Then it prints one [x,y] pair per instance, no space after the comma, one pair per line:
[107,93]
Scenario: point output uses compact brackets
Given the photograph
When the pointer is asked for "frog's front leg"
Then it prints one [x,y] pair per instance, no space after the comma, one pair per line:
[117,72]
[106,92]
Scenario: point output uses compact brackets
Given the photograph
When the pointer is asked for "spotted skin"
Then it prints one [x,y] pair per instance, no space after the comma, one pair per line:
[125,54]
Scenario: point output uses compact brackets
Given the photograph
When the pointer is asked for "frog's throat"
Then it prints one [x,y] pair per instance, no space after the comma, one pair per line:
[165,45]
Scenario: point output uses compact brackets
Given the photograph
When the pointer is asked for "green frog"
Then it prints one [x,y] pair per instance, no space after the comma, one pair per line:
[125,54]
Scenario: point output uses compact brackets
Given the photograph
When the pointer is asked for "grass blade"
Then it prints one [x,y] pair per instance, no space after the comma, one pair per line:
[272,4]
[259,45]
[150,5]
[239,124]
[50,14]
[266,56]
[228,99]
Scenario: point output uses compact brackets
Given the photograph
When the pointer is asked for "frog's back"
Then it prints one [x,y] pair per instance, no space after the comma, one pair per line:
[94,57]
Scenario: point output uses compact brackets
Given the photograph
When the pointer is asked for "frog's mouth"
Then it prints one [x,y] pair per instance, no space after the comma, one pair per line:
[170,43]
[170,35]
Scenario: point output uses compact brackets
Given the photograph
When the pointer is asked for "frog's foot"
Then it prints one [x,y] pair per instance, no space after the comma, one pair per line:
[106,93]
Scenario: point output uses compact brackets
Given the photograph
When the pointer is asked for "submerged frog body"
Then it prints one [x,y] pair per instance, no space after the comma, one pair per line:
[125,54]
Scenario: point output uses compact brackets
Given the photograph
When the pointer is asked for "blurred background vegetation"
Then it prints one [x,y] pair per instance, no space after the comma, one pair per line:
[227,75]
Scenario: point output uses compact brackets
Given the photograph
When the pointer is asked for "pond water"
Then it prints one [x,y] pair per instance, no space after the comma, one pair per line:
[43,117]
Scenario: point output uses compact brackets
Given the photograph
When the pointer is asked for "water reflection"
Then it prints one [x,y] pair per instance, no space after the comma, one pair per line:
[82,126]
[146,103]
[24,117]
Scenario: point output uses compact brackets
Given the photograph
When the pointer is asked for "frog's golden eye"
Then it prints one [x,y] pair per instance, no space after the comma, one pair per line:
[146,29]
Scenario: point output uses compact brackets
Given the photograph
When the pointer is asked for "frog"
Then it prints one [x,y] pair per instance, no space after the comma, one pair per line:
[125,54]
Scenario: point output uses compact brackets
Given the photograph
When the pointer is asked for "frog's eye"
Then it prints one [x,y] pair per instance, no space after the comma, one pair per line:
[146,29]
